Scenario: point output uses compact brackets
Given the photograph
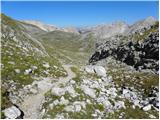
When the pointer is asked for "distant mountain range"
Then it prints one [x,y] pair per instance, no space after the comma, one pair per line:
[101,30]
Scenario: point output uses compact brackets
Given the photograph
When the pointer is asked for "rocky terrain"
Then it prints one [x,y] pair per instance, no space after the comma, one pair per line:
[141,54]
[109,71]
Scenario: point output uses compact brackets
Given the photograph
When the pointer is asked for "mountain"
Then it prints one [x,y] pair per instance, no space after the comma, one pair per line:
[41,25]
[118,28]
[106,71]
[49,28]
[108,30]
[141,24]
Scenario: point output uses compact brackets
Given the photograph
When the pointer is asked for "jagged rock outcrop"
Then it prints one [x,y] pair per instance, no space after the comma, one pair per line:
[138,26]
[142,54]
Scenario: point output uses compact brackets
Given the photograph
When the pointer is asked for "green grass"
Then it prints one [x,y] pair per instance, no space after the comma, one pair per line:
[57,109]
[78,74]
[68,47]
[25,61]
[4,100]
[9,21]
[141,81]
[130,113]
[87,113]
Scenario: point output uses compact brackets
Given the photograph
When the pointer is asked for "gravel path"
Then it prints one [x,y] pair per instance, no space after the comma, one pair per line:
[32,104]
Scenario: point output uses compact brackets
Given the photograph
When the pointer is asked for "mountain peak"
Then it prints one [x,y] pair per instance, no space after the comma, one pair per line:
[150,18]
[43,26]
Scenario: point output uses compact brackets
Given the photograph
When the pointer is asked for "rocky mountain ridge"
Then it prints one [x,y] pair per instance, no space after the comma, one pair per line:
[142,54]
[101,31]
[43,26]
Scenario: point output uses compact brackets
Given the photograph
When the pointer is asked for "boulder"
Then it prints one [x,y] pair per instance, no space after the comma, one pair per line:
[63,101]
[58,91]
[17,70]
[77,108]
[56,102]
[34,67]
[147,108]
[119,105]
[89,69]
[100,71]
[46,65]
[69,108]
[33,91]
[12,112]
[28,71]
[71,90]
[88,91]
[125,91]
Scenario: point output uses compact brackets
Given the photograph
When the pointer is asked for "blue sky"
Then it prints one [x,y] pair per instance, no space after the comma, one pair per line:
[80,13]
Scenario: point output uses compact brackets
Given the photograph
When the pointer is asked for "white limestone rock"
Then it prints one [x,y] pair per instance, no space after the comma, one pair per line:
[63,101]
[71,91]
[34,67]
[100,71]
[26,72]
[88,91]
[58,91]
[12,112]
[69,108]
[17,71]
[89,69]
[56,102]
[46,65]
[77,108]
[147,108]
[119,105]
[33,91]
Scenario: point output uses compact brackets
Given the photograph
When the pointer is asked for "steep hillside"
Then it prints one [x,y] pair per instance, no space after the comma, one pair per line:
[23,58]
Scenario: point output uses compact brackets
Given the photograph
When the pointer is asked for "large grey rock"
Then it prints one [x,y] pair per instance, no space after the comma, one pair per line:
[119,105]
[89,69]
[77,108]
[28,71]
[34,90]
[100,71]
[147,108]
[12,112]
[17,70]
[71,91]
[63,101]
[58,91]
[88,91]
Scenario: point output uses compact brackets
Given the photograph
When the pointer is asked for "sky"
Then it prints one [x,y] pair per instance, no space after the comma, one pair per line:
[80,13]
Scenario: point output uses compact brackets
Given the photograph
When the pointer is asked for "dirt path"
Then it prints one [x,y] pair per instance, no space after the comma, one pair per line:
[32,104]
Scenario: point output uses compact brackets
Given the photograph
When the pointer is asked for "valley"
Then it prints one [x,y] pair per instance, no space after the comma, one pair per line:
[109,71]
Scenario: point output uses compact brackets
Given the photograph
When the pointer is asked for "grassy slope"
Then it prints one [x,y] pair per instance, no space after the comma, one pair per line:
[14,56]
[68,47]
